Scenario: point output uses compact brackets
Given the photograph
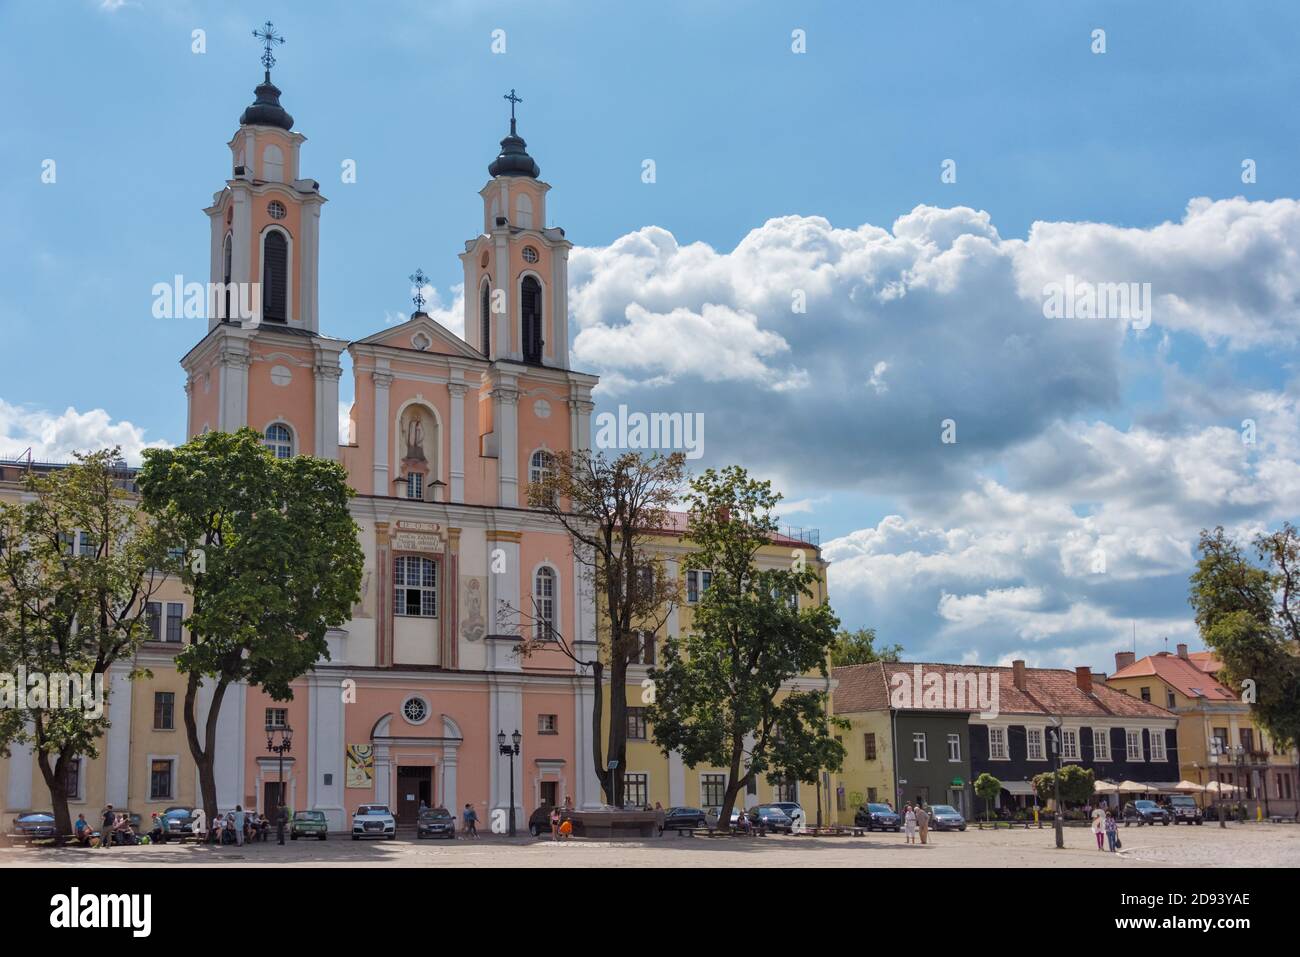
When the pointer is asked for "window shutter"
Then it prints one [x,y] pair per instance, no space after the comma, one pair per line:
[275,272]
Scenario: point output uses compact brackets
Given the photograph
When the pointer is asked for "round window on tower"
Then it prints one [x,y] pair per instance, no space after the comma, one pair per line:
[530,254]
[276,209]
[415,710]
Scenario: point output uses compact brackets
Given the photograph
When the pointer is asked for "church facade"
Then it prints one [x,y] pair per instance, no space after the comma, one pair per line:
[443,437]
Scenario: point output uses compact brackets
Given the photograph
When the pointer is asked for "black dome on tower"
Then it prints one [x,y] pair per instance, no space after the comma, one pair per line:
[513,160]
[266,109]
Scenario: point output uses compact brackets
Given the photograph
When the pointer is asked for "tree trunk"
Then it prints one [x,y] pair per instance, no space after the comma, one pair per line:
[204,755]
[56,779]
[597,715]
[616,750]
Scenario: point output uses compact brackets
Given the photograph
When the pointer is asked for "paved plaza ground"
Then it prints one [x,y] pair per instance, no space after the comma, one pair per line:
[1240,845]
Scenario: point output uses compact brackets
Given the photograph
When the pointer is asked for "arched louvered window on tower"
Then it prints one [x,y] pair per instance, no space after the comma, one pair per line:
[275,277]
[485,320]
[530,307]
[227,250]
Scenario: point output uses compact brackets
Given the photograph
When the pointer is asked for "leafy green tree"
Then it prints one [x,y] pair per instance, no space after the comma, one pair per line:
[988,787]
[1250,616]
[273,561]
[70,609]
[859,648]
[1077,785]
[737,690]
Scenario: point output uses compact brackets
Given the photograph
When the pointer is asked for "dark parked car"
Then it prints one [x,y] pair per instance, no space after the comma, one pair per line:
[877,817]
[177,822]
[34,825]
[771,818]
[685,817]
[1145,812]
[436,822]
[539,822]
[1184,808]
[945,817]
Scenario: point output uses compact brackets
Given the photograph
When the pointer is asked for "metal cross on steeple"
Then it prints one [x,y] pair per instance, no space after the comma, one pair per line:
[269,38]
[513,100]
[421,280]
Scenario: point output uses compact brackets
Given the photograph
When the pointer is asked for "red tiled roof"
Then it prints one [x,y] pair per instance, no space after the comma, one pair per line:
[1191,676]
[1047,691]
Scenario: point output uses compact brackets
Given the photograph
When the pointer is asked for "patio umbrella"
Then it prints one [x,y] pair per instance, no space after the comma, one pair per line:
[1221,787]
[1185,785]
[1105,787]
[1132,787]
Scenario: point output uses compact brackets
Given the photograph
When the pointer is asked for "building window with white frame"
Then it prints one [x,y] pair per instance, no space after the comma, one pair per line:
[161,776]
[697,583]
[637,729]
[787,789]
[1069,744]
[919,751]
[415,486]
[175,616]
[415,587]
[1101,744]
[1133,740]
[72,783]
[548,724]
[954,747]
[541,468]
[279,439]
[544,604]
[1158,752]
[636,789]
[998,744]
[1034,744]
[277,718]
[713,787]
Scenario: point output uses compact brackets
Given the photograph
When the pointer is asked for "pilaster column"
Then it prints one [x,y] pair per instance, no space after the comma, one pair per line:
[580,410]
[382,381]
[507,429]
[457,391]
[384,596]
[118,751]
[327,410]
[233,363]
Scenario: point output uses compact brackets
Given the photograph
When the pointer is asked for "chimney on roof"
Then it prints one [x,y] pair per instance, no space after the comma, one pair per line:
[1083,678]
[1123,659]
[1018,673]
[1182,652]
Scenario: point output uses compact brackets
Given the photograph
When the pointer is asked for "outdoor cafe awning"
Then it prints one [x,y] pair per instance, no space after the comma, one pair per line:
[1018,788]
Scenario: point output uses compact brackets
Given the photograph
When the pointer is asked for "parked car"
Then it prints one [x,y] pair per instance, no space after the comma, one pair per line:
[539,822]
[1183,807]
[771,818]
[1145,812]
[177,822]
[945,817]
[34,825]
[685,817]
[373,820]
[308,824]
[436,822]
[795,812]
[877,817]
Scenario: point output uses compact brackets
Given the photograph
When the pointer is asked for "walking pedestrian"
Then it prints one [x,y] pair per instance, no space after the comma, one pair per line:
[281,819]
[106,826]
[241,819]
[555,824]
[660,817]
[922,820]
[909,823]
[1099,827]
[470,817]
[1112,831]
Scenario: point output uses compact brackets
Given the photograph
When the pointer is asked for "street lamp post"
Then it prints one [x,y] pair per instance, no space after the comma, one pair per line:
[510,751]
[1215,754]
[284,746]
[1055,737]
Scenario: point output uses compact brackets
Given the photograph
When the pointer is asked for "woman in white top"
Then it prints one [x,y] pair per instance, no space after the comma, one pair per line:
[909,824]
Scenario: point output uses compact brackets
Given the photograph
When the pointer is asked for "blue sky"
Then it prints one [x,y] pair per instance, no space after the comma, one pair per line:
[743,131]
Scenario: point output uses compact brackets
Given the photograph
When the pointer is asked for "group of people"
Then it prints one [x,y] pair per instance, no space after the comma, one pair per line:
[562,824]
[1105,827]
[235,827]
[916,823]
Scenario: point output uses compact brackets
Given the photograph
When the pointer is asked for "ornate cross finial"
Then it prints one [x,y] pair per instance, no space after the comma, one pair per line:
[421,280]
[269,38]
[513,100]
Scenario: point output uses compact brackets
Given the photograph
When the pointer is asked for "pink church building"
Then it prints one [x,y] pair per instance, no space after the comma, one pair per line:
[443,436]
